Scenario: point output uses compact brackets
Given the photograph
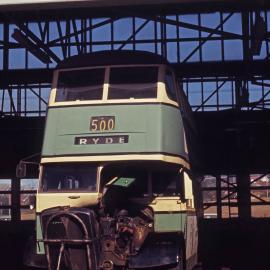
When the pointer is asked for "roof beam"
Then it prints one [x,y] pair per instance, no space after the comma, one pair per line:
[186,70]
[99,8]
[18,5]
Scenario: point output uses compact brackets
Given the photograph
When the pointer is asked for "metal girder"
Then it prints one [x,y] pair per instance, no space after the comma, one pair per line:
[25,76]
[211,95]
[38,42]
[210,35]
[50,9]
[186,70]
[75,33]
[64,4]
[244,69]
[134,34]
[197,27]
[24,41]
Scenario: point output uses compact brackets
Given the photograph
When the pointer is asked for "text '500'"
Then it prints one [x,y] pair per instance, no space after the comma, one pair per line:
[102,123]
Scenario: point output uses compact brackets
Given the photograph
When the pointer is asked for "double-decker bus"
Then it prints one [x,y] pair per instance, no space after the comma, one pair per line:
[116,188]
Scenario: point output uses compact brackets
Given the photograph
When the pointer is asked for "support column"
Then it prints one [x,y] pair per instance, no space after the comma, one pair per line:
[243,189]
[15,199]
[218,197]
[6,46]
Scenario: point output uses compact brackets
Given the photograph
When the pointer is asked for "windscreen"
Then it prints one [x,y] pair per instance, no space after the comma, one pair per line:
[140,176]
[69,177]
[162,182]
[133,82]
[84,84]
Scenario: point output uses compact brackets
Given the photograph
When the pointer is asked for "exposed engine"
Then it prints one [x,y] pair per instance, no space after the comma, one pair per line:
[123,235]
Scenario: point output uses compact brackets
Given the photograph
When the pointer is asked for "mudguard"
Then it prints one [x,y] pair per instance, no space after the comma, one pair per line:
[157,251]
[31,258]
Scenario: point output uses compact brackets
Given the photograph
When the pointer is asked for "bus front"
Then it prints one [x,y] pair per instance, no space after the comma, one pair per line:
[110,126]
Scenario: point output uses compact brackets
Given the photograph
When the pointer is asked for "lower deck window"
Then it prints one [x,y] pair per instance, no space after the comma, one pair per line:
[69,177]
[166,184]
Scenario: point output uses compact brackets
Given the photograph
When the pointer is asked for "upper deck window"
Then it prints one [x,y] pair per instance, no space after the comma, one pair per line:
[69,178]
[133,82]
[170,87]
[85,84]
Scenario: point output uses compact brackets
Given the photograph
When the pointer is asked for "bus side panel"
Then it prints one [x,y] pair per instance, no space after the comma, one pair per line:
[143,129]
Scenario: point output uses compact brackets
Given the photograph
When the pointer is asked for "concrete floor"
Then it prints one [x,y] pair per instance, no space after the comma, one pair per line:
[230,244]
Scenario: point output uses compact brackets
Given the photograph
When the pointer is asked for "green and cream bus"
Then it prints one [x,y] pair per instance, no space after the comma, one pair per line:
[116,188]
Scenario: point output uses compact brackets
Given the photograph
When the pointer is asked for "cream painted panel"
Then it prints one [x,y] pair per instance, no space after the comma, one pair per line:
[130,157]
[48,200]
[160,204]
[188,190]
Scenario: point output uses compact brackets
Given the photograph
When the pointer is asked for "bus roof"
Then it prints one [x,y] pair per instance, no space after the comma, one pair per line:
[104,58]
